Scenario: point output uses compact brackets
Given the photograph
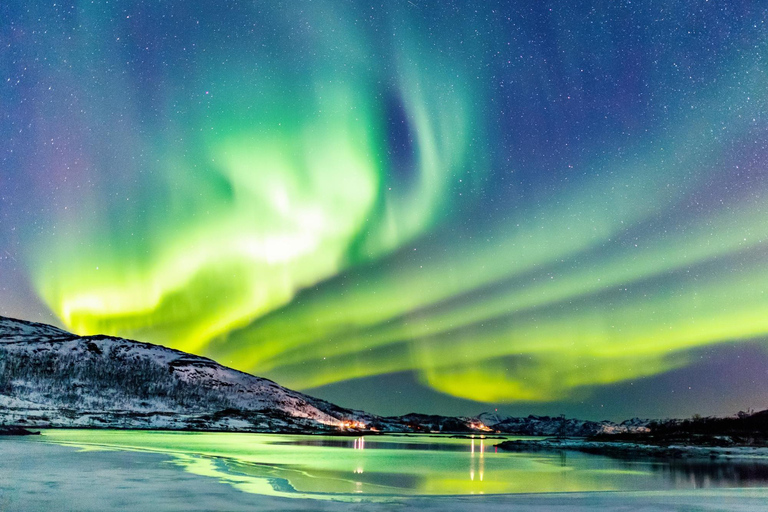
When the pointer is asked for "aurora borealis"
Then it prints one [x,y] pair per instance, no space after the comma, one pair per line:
[527,204]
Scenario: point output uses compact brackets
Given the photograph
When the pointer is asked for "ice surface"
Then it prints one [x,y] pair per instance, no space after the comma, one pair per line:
[36,476]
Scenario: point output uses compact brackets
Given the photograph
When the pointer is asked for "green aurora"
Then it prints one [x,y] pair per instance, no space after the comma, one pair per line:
[487,196]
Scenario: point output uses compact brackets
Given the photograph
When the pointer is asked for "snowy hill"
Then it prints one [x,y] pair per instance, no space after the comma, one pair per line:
[50,377]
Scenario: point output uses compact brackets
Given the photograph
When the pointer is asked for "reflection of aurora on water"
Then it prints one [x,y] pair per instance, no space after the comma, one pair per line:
[320,467]
[513,203]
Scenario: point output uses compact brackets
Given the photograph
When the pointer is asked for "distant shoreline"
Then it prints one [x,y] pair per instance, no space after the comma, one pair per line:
[616,449]
[637,449]
[24,430]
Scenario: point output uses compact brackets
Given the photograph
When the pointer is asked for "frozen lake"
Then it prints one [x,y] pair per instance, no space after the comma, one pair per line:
[133,470]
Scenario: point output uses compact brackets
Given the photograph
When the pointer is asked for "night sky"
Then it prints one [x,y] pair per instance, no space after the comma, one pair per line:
[444,206]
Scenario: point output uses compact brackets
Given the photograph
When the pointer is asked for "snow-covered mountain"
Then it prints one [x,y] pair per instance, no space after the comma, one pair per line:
[52,378]
[551,426]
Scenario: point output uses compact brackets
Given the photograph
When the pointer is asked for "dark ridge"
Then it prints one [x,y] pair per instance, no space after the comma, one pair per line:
[745,429]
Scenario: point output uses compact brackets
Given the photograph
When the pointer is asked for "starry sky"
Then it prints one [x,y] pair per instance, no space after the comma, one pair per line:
[448,207]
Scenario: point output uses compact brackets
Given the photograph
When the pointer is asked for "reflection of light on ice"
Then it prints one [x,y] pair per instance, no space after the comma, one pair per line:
[359,444]
[481,463]
[482,459]
[472,460]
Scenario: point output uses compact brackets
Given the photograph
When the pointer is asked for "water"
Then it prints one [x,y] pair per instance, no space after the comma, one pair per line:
[380,467]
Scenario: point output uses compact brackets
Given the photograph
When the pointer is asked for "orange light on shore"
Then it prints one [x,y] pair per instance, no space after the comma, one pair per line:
[477,425]
[351,425]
